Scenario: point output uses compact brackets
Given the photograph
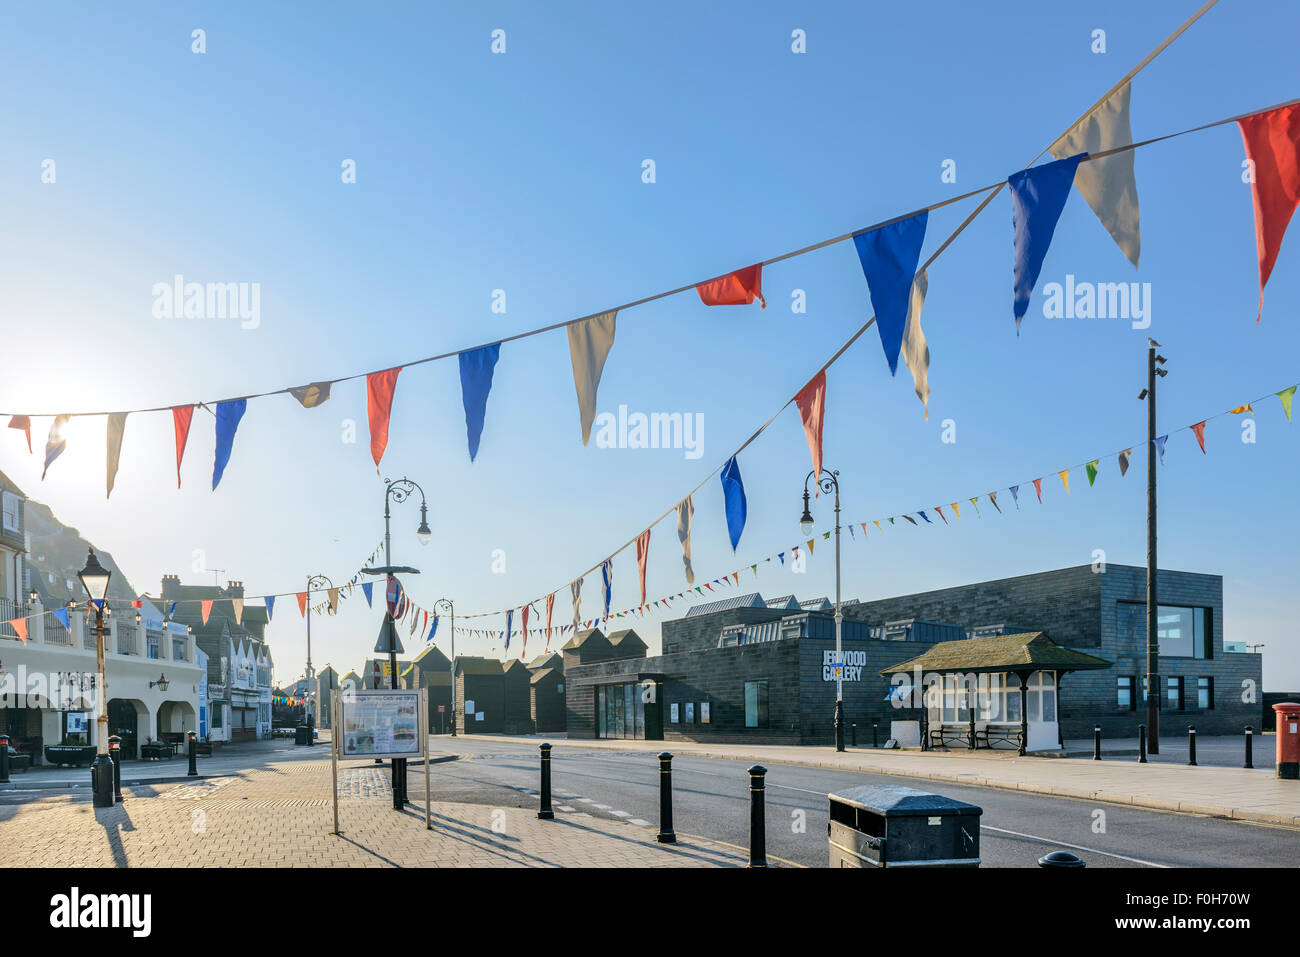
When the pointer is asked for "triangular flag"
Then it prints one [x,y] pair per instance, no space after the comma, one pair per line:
[116,425]
[205,608]
[1160,446]
[312,395]
[1123,461]
[239,609]
[433,629]
[1038,195]
[24,423]
[642,556]
[916,352]
[550,607]
[685,513]
[380,387]
[476,367]
[921,512]
[333,600]
[172,610]
[1241,409]
[589,343]
[939,509]
[1199,430]
[993,497]
[889,255]
[1286,395]
[739,288]
[975,503]
[1091,469]
[1108,184]
[269,601]
[733,493]
[55,443]
[182,415]
[1015,495]
[810,544]
[1065,479]
[911,519]
[852,533]
[811,401]
[367,589]
[228,415]
[19,625]
[62,615]
[302,603]
[1272,142]
[575,589]
[1038,487]
[878,528]
[955,511]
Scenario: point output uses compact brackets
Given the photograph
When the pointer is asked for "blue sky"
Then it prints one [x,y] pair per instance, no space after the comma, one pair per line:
[522,172]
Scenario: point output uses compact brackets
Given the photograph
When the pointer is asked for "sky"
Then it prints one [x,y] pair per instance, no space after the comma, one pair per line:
[522,171]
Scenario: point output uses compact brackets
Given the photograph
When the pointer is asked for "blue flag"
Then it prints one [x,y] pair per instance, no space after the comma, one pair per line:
[921,512]
[228,416]
[367,588]
[1038,195]
[433,629]
[62,615]
[1160,446]
[475,383]
[1015,494]
[607,580]
[733,491]
[171,611]
[510,616]
[270,605]
[889,255]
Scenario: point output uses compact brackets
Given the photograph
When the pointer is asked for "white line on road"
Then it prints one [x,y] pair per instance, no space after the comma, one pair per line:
[638,821]
[620,813]
[1077,847]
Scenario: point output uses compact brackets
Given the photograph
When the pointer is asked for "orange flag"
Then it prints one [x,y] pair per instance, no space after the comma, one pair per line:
[206,606]
[24,423]
[302,603]
[19,625]
[1038,487]
[1199,429]
[739,288]
[379,406]
[642,553]
[181,417]
[812,409]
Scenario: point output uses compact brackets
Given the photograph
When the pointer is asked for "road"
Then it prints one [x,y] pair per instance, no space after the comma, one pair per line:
[711,799]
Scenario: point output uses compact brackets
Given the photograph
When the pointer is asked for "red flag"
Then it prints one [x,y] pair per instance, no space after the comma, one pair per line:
[812,409]
[939,509]
[181,416]
[1038,487]
[642,553]
[25,423]
[302,603]
[550,606]
[740,288]
[1273,147]
[1199,429]
[523,620]
[206,606]
[379,405]
[19,625]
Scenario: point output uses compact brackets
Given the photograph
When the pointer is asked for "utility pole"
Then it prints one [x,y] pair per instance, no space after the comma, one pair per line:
[1154,362]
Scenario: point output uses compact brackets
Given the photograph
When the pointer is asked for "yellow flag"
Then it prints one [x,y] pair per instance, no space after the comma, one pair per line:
[1065,479]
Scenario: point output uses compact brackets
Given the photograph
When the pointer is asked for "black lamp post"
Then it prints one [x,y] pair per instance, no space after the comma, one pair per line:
[451,609]
[390,644]
[94,578]
[829,481]
[1154,372]
[314,581]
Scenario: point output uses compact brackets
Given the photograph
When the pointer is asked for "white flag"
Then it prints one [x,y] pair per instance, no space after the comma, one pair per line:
[916,353]
[589,345]
[576,588]
[239,609]
[1108,184]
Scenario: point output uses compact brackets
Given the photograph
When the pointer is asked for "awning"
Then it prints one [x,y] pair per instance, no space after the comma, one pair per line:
[1031,651]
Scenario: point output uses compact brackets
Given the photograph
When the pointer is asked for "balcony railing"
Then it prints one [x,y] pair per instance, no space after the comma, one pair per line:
[55,633]
[10,609]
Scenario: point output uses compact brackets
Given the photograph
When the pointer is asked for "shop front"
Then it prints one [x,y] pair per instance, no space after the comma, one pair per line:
[630,709]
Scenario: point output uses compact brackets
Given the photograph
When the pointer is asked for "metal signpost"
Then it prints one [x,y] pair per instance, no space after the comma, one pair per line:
[382,724]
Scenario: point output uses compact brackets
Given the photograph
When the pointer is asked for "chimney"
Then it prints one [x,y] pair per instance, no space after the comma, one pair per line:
[234,589]
[170,583]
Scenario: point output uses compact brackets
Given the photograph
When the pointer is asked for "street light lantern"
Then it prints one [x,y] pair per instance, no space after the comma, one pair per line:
[94,577]
[161,683]
[424,533]
[137,618]
[806,520]
[32,596]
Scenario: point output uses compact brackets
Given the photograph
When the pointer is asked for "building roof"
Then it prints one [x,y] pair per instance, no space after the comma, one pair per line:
[785,603]
[1031,651]
[752,600]
[541,674]
[627,635]
[578,640]
[552,659]
[817,604]
[479,666]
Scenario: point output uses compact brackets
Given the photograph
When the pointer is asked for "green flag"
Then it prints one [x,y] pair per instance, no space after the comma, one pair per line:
[1286,395]
[1092,471]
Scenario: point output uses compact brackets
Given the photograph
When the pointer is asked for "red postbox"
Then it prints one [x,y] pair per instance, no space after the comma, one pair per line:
[1288,739]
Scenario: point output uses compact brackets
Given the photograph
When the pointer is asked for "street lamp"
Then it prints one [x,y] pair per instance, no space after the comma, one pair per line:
[161,683]
[313,581]
[451,609]
[828,481]
[1154,372]
[94,578]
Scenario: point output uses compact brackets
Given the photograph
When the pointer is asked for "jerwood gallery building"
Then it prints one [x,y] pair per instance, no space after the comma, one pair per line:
[1026,661]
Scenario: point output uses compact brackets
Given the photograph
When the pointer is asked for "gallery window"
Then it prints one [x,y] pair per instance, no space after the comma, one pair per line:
[1182,632]
[756,704]
[1124,685]
[1205,693]
[1174,692]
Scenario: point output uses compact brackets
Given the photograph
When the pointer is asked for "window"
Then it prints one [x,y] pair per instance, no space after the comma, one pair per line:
[216,714]
[9,507]
[756,704]
[1174,692]
[151,641]
[1205,694]
[178,649]
[1124,685]
[1181,632]
[1042,696]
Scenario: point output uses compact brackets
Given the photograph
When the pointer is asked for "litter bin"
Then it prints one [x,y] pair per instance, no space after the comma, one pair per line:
[300,735]
[891,826]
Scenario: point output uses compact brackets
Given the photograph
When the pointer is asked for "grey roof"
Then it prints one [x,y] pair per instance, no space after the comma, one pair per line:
[817,604]
[752,600]
[762,631]
[785,602]
[1031,651]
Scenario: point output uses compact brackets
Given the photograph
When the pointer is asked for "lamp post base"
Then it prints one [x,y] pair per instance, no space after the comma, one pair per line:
[101,780]
[839,725]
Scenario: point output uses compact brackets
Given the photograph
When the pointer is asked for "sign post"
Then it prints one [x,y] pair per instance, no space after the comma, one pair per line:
[424,742]
[381,724]
[334,756]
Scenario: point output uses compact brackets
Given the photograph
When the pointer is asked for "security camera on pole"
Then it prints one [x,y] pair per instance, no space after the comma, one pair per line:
[1154,362]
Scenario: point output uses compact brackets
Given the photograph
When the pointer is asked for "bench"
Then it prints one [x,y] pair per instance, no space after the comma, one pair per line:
[1004,734]
[155,752]
[956,732]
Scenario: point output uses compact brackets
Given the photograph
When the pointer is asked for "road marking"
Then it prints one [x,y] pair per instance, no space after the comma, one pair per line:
[586,801]
[639,822]
[620,813]
[1077,847]
[565,807]
[601,807]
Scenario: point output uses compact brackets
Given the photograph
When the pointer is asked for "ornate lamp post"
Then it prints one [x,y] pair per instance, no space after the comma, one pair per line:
[94,578]
[828,481]
[313,581]
[451,609]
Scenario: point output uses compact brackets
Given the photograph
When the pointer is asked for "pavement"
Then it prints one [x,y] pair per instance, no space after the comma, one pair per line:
[1231,792]
[281,815]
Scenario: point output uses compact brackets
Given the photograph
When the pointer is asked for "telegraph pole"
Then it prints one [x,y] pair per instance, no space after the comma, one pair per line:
[1154,362]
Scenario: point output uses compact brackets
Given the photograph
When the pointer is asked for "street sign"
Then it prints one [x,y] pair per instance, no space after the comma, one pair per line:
[442,708]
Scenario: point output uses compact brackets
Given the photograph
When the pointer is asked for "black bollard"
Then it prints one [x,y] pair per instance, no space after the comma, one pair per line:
[1060,859]
[1096,742]
[666,833]
[4,759]
[194,754]
[545,813]
[1250,749]
[1142,744]
[1191,746]
[757,818]
[115,755]
[875,735]
[854,738]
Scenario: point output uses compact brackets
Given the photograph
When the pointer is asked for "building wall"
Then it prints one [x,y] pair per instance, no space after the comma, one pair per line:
[517,712]
[488,694]
[700,632]
[547,698]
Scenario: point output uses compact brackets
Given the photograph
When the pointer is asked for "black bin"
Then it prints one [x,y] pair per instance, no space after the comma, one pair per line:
[891,826]
[300,734]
